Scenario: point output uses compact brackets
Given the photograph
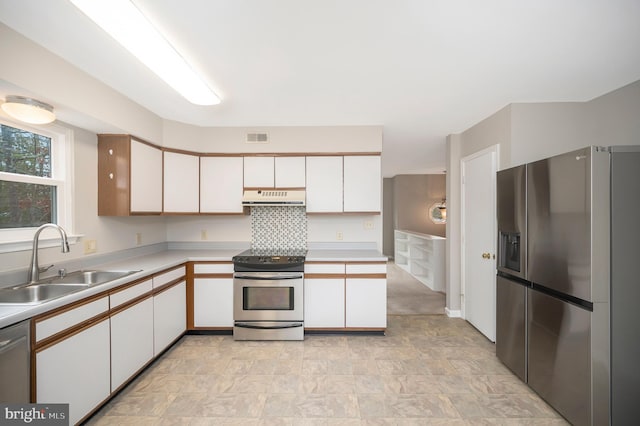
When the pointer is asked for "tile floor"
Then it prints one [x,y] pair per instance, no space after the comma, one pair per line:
[408,296]
[428,369]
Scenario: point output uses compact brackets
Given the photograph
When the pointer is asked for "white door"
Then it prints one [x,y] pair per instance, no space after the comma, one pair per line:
[479,239]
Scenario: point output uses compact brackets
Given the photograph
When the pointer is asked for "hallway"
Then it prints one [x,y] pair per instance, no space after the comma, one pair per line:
[408,296]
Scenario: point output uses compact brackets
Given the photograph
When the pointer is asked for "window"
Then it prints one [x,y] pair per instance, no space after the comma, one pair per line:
[34,179]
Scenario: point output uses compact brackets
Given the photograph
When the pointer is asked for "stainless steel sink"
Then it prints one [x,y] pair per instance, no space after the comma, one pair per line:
[37,293]
[91,277]
[52,288]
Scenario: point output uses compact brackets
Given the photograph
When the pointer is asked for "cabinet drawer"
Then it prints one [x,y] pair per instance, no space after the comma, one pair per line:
[324,268]
[373,268]
[167,277]
[130,293]
[56,324]
[213,268]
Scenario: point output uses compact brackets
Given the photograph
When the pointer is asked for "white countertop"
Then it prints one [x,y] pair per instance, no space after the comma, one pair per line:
[156,262]
[339,255]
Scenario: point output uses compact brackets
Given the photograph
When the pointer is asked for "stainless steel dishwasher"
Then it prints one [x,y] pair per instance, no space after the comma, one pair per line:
[14,363]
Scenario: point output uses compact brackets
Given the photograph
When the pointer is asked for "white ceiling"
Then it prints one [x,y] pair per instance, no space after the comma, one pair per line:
[421,68]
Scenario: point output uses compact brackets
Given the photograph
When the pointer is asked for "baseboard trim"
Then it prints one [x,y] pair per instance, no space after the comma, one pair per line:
[452,314]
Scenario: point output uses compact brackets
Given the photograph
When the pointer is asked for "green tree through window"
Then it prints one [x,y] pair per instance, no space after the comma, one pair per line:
[25,204]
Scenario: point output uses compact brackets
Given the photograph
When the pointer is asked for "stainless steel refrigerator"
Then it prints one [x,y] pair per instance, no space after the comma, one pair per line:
[568,242]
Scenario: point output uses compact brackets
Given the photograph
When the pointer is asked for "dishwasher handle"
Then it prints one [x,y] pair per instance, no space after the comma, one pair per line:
[8,344]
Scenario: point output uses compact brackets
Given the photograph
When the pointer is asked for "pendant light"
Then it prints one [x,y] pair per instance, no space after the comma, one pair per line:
[28,110]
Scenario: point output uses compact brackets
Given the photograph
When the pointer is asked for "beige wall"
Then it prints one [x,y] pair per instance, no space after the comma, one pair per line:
[615,117]
[409,198]
[413,195]
[281,139]
[529,132]
[452,245]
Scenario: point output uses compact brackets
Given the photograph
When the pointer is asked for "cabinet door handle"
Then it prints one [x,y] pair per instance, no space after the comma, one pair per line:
[486,255]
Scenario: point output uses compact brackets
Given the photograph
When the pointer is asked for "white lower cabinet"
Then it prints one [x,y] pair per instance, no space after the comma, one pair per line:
[131,341]
[76,371]
[169,316]
[213,302]
[324,303]
[366,303]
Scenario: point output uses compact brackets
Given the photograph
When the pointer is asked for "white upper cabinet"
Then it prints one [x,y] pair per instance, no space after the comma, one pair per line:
[324,184]
[146,173]
[290,172]
[181,183]
[221,184]
[258,172]
[362,183]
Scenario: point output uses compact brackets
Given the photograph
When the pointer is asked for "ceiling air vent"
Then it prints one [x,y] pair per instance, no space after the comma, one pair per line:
[257,138]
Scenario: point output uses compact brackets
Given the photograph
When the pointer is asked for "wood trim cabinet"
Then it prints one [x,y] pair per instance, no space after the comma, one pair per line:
[139,178]
[345,296]
[290,172]
[345,184]
[259,172]
[181,183]
[324,184]
[212,296]
[129,176]
[76,371]
[169,316]
[423,256]
[109,338]
[362,184]
[131,341]
[221,184]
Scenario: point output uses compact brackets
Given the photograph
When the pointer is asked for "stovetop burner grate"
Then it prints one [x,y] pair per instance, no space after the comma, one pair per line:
[270,260]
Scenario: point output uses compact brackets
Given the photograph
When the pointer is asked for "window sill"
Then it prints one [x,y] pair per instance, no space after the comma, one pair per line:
[27,245]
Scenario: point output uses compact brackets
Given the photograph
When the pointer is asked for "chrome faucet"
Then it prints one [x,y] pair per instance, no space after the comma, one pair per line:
[33,275]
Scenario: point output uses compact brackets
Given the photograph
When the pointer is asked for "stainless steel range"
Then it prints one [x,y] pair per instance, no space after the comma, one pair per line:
[268,299]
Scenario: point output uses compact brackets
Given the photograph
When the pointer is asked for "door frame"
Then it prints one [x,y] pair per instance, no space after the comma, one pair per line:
[495,151]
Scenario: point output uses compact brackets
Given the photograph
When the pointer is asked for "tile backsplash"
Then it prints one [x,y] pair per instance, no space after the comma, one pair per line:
[278,228]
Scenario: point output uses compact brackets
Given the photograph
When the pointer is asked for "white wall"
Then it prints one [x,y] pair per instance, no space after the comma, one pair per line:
[79,98]
[111,233]
[86,103]
[329,139]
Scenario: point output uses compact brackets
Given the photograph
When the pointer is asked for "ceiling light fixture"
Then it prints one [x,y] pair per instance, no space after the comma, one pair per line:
[123,21]
[28,110]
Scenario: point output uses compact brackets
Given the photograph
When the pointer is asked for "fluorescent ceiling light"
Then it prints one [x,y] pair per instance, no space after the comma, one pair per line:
[125,23]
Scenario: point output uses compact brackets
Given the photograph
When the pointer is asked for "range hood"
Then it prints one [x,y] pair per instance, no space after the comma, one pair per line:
[274,197]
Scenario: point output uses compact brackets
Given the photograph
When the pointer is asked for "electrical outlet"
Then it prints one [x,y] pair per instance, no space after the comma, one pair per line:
[368,224]
[339,235]
[90,246]
[138,238]
[203,235]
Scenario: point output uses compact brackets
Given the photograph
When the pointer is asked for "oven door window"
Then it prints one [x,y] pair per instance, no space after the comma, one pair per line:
[268,298]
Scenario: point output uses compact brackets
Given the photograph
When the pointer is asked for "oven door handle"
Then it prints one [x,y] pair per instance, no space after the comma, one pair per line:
[267,276]
[270,325]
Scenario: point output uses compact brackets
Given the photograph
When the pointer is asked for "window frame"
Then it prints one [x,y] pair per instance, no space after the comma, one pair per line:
[62,160]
